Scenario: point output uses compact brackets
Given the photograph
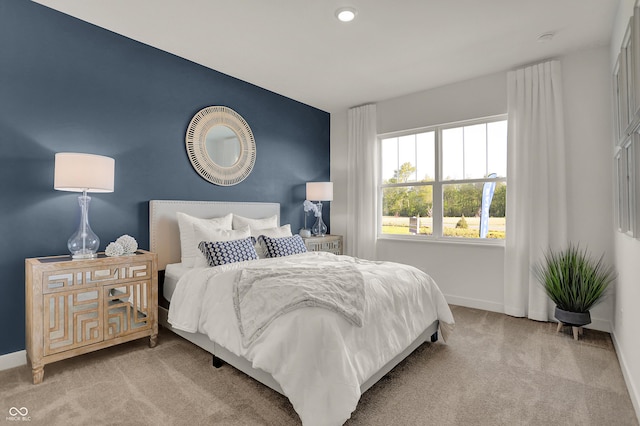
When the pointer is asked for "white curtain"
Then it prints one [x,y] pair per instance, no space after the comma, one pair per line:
[536,184]
[362,183]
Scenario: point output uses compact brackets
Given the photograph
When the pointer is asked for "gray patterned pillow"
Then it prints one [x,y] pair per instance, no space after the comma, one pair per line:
[223,252]
[284,246]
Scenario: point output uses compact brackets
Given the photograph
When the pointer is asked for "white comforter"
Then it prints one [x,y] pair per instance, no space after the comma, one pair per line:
[317,356]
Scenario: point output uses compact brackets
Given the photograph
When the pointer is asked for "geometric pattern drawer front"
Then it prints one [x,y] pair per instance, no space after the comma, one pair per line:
[72,320]
[73,279]
[331,244]
[127,308]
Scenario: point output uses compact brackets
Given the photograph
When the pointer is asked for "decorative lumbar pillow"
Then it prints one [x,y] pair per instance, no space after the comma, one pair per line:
[255,224]
[283,246]
[204,233]
[223,252]
[188,242]
[282,231]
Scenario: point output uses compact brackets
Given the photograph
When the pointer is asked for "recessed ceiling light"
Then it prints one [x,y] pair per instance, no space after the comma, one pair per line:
[346,14]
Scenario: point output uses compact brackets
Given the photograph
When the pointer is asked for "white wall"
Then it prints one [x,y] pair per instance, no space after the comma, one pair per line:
[479,283]
[627,260]
[587,116]
[468,275]
[479,97]
[627,314]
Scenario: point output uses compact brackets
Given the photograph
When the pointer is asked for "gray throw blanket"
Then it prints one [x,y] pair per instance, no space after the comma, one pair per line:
[262,294]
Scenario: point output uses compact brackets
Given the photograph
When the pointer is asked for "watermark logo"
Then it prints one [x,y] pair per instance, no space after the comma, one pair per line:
[18,414]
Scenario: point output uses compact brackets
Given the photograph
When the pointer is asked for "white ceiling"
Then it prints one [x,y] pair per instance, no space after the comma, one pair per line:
[298,48]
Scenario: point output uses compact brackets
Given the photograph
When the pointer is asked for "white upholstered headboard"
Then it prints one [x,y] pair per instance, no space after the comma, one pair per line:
[164,235]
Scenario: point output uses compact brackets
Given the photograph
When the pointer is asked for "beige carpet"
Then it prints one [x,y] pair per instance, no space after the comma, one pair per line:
[496,370]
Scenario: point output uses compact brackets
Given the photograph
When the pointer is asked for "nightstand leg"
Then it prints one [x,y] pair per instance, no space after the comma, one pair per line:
[38,374]
[153,340]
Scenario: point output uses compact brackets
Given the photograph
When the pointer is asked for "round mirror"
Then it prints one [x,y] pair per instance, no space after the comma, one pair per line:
[220,145]
[223,146]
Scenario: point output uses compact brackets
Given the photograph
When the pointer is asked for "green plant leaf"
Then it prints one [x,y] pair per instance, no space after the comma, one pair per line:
[573,280]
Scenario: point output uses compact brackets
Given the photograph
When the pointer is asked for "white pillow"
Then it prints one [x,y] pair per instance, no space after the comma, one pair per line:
[255,224]
[204,233]
[283,231]
[188,244]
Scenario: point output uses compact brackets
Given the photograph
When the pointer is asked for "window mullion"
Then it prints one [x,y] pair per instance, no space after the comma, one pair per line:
[398,154]
[464,160]
[436,211]
[486,150]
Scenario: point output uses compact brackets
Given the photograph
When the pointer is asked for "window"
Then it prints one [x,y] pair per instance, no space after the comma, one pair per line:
[445,181]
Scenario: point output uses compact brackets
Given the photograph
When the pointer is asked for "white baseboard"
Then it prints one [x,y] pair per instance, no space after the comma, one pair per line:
[486,305]
[634,394]
[14,359]
[600,325]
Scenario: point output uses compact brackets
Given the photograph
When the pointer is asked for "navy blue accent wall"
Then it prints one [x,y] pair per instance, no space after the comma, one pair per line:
[66,85]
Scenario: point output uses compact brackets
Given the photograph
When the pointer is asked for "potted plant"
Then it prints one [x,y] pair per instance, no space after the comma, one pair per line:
[575,282]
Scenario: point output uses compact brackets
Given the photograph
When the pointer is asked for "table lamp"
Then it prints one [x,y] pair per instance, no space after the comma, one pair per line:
[84,173]
[319,191]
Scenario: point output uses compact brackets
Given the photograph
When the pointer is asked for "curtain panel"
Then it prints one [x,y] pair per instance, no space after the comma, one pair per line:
[536,182]
[362,182]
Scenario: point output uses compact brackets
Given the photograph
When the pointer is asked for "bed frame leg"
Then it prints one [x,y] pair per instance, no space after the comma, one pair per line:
[217,362]
[434,337]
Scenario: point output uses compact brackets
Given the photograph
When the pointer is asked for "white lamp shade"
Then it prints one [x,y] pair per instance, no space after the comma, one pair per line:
[320,191]
[83,172]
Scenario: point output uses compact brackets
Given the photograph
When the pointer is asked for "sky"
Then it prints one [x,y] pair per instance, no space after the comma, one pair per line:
[468,152]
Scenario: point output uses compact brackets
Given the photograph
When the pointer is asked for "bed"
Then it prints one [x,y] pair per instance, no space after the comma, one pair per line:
[330,405]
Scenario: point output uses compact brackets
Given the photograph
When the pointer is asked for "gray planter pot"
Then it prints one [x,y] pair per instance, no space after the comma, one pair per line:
[575,319]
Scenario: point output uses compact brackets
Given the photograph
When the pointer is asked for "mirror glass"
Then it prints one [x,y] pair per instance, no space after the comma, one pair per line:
[223,146]
[220,145]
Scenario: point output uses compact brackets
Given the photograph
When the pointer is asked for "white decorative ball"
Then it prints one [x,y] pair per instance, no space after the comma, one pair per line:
[128,243]
[305,233]
[114,249]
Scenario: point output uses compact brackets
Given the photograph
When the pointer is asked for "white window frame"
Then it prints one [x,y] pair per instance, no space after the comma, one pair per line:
[437,184]
[626,158]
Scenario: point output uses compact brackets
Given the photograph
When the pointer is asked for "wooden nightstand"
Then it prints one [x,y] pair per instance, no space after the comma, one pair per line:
[79,306]
[330,243]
